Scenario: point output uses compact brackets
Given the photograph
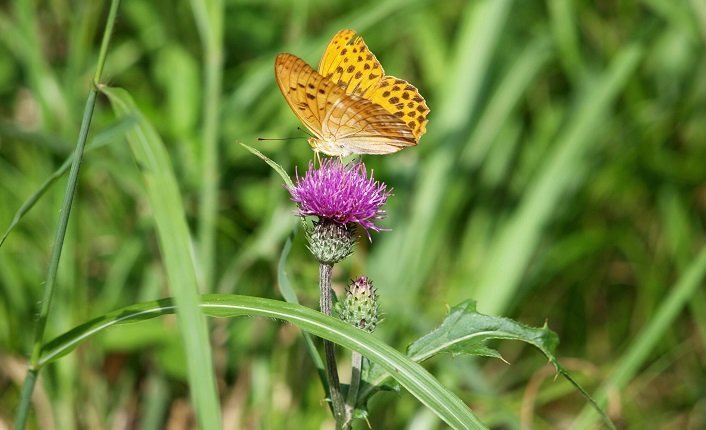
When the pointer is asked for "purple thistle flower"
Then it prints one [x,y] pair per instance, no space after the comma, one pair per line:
[341,194]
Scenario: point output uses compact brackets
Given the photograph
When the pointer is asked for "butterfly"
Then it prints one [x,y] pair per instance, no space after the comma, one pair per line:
[349,105]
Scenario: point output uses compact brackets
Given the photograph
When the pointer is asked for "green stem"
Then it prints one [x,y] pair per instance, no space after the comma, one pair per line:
[25,398]
[352,397]
[326,303]
[50,284]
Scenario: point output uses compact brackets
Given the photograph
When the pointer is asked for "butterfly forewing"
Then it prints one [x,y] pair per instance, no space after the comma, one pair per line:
[349,63]
[333,51]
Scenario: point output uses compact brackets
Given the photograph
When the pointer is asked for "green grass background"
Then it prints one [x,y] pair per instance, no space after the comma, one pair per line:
[562,179]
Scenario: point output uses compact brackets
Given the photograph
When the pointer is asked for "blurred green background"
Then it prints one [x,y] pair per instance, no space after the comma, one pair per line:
[562,179]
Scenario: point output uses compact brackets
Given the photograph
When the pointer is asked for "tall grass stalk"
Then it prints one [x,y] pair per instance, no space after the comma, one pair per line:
[209,21]
[162,192]
[50,284]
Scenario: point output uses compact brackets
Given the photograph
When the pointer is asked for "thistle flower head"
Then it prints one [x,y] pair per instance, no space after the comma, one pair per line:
[340,194]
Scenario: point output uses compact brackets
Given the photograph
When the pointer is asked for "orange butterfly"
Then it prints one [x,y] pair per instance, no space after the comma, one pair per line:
[350,105]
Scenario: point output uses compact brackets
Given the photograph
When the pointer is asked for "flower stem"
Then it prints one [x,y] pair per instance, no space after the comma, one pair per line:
[326,303]
[352,397]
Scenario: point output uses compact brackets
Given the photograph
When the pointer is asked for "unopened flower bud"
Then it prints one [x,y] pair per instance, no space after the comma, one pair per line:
[360,308]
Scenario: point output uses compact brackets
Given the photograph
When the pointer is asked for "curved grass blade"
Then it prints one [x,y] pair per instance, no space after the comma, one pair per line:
[410,375]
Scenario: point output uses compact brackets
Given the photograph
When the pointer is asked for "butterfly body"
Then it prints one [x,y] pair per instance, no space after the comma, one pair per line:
[349,105]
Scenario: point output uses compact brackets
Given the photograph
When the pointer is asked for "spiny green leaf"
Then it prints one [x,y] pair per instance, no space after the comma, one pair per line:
[465,331]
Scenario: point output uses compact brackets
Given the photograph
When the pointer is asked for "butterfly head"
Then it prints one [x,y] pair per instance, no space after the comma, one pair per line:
[314,143]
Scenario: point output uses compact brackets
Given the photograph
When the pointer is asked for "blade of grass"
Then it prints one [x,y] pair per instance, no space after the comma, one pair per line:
[509,92]
[283,173]
[175,245]
[22,412]
[481,28]
[209,21]
[563,27]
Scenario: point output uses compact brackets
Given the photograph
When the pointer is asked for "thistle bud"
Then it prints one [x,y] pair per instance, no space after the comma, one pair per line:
[360,308]
[331,242]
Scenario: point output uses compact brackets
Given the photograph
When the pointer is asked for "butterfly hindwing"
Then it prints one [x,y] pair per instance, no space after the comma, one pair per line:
[402,99]
[363,127]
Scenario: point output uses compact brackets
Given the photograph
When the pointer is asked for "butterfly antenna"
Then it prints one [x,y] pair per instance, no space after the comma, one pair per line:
[288,138]
[305,131]
[280,138]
